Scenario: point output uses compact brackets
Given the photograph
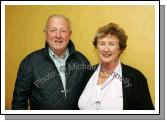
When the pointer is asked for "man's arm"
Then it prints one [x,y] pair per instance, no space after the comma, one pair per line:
[23,85]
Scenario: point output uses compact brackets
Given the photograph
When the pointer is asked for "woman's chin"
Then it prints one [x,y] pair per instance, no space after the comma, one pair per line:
[106,61]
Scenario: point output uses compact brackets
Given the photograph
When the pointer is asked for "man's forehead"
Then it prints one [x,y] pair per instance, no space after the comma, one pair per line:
[57,18]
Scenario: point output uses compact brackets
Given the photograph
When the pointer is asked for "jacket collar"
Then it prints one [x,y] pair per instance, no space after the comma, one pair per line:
[70,46]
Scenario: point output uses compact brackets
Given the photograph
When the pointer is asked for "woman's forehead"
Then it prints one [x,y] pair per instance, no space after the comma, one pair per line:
[108,37]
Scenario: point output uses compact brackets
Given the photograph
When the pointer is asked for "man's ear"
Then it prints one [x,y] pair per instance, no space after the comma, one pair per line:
[70,32]
[44,30]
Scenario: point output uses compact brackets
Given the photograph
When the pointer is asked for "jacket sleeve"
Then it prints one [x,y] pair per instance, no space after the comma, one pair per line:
[23,85]
[144,97]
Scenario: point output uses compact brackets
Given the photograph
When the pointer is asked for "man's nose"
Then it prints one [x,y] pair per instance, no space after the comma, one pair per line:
[58,34]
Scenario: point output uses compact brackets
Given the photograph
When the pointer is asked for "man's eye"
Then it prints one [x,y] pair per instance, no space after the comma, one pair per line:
[63,31]
[52,30]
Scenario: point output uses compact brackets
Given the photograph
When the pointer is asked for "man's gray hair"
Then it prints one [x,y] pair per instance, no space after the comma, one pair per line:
[58,16]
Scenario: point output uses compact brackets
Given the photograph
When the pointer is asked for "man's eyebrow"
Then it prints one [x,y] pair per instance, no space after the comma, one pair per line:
[57,28]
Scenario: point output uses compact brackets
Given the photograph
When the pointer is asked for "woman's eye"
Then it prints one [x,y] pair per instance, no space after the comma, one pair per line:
[112,44]
[101,43]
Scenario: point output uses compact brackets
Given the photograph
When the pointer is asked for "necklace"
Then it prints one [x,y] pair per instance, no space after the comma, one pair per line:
[103,75]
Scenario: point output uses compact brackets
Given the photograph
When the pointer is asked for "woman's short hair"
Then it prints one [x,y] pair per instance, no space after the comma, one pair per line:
[111,29]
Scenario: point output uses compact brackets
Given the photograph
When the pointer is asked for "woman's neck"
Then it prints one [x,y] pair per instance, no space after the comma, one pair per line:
[109,66]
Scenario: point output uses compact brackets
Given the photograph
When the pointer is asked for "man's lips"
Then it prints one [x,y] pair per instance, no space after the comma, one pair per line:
[58,41]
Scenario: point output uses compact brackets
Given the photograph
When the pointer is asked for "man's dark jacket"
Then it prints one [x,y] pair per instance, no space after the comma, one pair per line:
[39,81]
[136,94]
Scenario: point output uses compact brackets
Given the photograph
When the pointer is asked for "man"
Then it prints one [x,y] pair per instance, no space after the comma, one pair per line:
[46,78]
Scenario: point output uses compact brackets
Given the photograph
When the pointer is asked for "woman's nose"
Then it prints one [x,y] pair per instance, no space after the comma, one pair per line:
[106,48]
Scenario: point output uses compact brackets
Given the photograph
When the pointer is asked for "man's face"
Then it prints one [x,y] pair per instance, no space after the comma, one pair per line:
[58,34]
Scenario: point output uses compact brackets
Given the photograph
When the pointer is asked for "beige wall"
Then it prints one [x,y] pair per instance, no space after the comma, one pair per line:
[24,34]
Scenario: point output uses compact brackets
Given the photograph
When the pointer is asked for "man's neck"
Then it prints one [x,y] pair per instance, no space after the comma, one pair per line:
[60,54]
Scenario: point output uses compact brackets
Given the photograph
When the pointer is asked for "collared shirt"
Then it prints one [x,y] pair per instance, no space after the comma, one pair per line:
[60,64]
[106,96]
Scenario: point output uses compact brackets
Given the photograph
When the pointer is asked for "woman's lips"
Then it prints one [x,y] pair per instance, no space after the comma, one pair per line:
[106,55]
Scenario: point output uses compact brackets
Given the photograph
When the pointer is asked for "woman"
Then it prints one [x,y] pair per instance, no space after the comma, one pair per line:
[111,84]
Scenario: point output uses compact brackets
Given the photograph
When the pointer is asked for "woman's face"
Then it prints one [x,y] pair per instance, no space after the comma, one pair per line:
[108,49]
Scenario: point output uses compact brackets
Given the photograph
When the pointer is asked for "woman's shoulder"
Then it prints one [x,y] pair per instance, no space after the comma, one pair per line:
[131,71]
[92,68]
